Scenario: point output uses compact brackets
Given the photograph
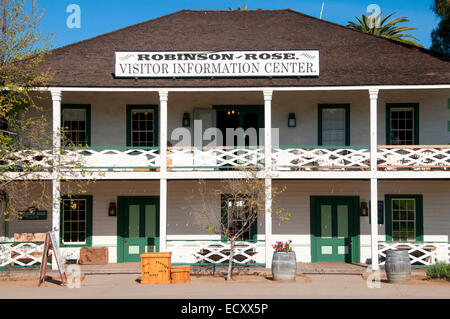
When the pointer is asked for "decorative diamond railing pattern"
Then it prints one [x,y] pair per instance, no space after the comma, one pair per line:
[420,254]
[210,158]
[320,158]
[284,158]
[21,254]
[117,158]
[218,252]
[41,160]
[416,157]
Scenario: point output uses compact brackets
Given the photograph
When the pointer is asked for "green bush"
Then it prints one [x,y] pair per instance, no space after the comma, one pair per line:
[439,270]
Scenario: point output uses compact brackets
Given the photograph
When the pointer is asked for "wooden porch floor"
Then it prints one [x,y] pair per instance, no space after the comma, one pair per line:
[307,268]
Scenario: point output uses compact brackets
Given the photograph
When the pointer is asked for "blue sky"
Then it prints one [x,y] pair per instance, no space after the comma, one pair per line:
[101,16]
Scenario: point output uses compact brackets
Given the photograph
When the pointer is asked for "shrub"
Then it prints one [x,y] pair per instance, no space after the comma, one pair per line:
[439,270]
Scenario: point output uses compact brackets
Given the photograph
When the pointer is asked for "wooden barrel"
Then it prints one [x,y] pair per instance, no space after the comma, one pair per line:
[180,274]
[155,268]
[284,266]
[398,265]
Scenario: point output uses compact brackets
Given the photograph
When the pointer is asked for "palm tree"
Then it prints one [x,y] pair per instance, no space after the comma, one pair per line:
[379,25]
[244,8]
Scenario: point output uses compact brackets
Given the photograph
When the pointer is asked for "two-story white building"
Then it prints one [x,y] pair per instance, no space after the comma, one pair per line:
[357,119]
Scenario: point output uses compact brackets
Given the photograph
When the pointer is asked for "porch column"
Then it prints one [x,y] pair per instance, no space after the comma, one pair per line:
[56,183]
[163,98]
[268,179]
[373,93]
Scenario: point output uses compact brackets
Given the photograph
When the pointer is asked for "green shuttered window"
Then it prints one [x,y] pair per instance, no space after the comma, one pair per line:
[76,221]
[402,124]
[404,217]
[239,211]
[334,124]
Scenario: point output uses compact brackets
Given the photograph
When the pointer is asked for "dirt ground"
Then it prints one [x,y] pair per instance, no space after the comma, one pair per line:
[206,287]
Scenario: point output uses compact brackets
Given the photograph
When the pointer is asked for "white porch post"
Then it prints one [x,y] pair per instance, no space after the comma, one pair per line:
[268,168]
[56,184]
[163,98]
[373,93]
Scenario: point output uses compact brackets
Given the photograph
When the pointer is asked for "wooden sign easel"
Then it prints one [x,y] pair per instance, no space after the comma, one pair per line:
[51,241]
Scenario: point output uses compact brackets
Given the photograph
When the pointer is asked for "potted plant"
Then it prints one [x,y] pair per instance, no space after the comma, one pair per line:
[284,262]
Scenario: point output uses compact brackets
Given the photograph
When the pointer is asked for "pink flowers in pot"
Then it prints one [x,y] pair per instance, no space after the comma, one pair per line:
[284,247]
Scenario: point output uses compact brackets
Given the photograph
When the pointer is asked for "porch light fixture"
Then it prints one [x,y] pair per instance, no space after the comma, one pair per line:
[292,122]
[364,210]
[112,211]
[186,120]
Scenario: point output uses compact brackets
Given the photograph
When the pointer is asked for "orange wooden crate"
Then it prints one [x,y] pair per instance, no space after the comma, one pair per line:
[180,274]
[155,268]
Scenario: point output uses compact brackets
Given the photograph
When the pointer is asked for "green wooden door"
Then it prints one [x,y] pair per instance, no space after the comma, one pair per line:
[137,227]
[333,229]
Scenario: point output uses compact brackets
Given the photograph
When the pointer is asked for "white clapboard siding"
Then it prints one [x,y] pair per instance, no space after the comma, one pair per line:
[109,110]
[295,200]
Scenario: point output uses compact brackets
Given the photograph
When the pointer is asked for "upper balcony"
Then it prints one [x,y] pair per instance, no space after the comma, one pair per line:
[123,132]
[283,159]
[287,158]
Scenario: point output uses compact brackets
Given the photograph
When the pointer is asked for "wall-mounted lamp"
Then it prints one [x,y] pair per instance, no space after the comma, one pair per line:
[112,210]
[364,210]
[186,120]
[292,122]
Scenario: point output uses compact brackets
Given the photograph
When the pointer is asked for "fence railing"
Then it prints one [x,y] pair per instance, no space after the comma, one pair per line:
[37,160]
[284,158]
[320,158]
[414,157]
[212,158]
[117,158]
[217,252]
[21,254]
[420,253]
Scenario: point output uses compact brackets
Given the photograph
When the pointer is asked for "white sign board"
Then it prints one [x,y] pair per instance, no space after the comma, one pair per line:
[56,252]
[51,241]
[217,64]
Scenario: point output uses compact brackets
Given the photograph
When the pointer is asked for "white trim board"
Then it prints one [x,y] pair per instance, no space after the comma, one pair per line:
[246,89]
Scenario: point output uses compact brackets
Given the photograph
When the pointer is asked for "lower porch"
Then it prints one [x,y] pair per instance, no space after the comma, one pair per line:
[427,240]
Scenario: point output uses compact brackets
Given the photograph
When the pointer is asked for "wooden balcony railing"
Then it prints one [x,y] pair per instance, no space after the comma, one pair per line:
[284,158]
[212,158]
[311,158]
[414,157]
[117,158]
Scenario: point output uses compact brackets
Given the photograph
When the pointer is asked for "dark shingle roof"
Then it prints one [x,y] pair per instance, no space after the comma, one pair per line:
[347,57]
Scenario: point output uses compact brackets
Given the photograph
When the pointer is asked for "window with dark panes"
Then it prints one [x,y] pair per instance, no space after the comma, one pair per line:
[142,127]
[74,225]
[402,126]
[236,212]
[333,126]
[403,219]
[75,126]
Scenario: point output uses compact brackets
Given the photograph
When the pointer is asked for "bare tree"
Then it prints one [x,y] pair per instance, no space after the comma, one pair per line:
[242,202]
[27,162]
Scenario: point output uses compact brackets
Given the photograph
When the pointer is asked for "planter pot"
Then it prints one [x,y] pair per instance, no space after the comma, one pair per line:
[284,266]
[398,265]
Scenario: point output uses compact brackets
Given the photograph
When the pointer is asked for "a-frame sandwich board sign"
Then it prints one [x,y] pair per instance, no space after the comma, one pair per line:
[51,243]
